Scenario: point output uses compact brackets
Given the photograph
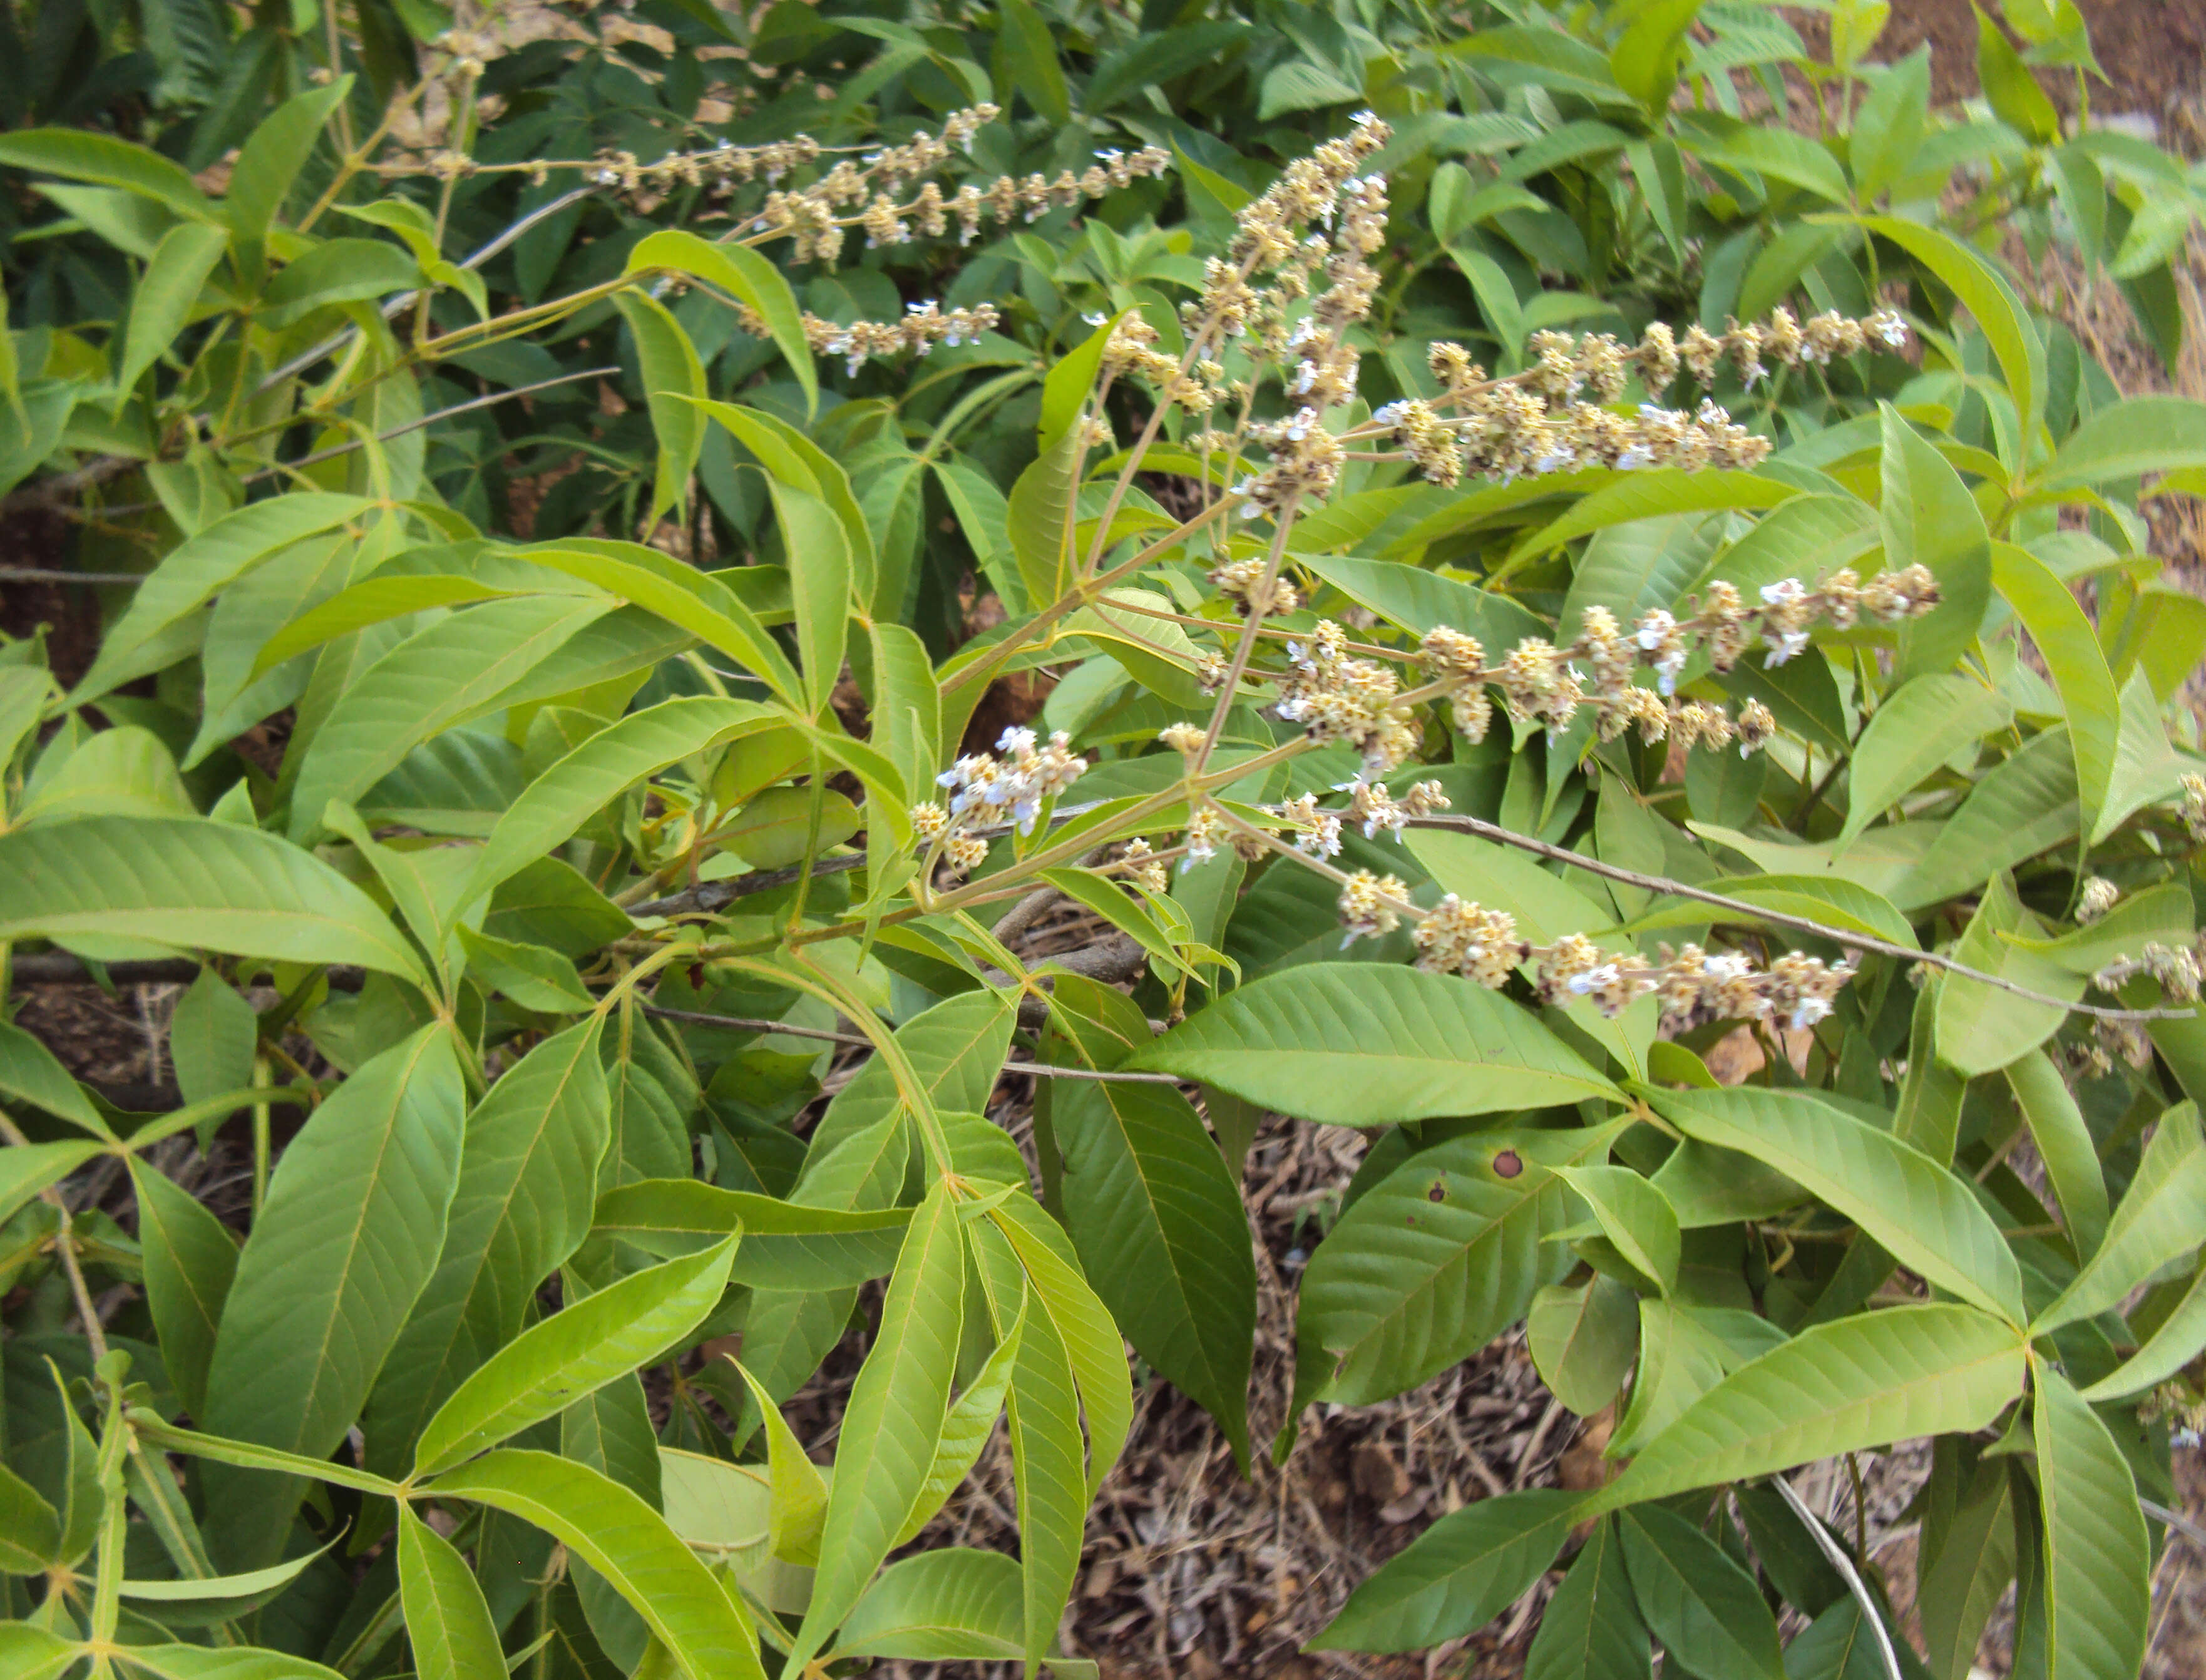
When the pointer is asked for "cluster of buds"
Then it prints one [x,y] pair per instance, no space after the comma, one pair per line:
[988,790]
[1787,341]
[470,49]
[853,194]
[1336,697]
[1139,863]
[2177,970]
[2099,895]
[1457,936]
[924,325]
[1508,430]
[1305,464]
[721,168]
[1269,230]
[1242,582]
[2194,805]
[1131,350]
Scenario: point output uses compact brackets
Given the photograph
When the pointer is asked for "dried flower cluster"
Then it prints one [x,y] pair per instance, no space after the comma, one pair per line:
[1482,944]
[2176,969]
[989,789]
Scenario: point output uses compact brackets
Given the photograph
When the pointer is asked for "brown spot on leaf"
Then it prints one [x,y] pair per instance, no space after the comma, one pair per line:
[1508,1164]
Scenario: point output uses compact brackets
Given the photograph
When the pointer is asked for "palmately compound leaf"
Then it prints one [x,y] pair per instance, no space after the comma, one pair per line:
[1361,1044]
[1456,1576]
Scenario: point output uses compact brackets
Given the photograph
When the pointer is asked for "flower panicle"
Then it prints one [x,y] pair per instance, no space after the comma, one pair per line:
[923,326]
[1457,936]
[987,790]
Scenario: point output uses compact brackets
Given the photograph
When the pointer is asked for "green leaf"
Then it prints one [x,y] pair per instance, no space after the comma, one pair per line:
[200,1662]
[246,1455]
[119,772]
[1889,126]
[1043,1411]
[573,1353]
[1457,1576]
[1409,1282]
[1963,1584]
[1924,1216]
[448,1621]
[2065,1145]
[1070,382]
[2127,439]
[2022,806]
[528,1175]
[894,1419]
[1765,149]
[76,155]
[786,1245]
[1930,519]
[1039,519]
[1645,57]
[1417,599]
[1830,899]
[2177,1341]
[673,385]
[192,882]
[1634,1215]
[30,1530]
[1160,1226]
[690,600]
[2146,766]
[966,1429]
[345,1243]
[30,1073]
[627,1542]
[31,1652]
[1685,1350]
[2156,1221]
[26,1169]
[197,568]
[1026,56]
[1981,1028]
[161,307]
[1704,1608]
[1581,1340]
[1843,1386]
[599,771]
[2007,83]
[531,976]
[1649,495]
[213,1038]
[2069,643]
[941,1606]
[450,671]
[1364,1046]
[2098,1556]
[799,1505]
[820,575]
[748,278]
[268,164]
[1999,312]
[191,1258]
[335,271]
[1920,726]
[1591,1629]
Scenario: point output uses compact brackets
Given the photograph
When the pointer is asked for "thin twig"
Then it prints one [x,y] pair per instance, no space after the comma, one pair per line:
[1844,1565]
[1751,912]
[2175,1520]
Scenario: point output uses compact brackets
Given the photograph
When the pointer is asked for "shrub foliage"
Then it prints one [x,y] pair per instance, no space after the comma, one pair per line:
[1550,540]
